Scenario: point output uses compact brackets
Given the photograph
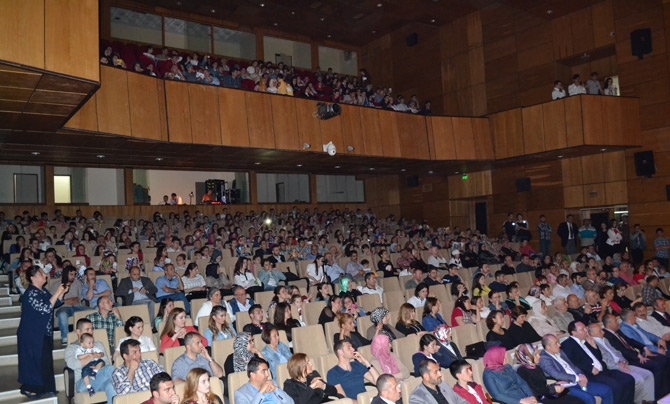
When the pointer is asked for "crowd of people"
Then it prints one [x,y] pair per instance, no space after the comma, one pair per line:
[592,86]
[257,75]
[566,316]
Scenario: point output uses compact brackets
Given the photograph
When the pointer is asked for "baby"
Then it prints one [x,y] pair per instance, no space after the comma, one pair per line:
[91,361]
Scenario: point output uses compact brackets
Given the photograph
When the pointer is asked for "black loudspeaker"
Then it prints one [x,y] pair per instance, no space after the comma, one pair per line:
[640,42]
[413,181]
[412,39]
[644,164]
[523,185]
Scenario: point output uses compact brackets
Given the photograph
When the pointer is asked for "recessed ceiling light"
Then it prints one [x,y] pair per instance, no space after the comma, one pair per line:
[262,4]
[403,170]
[292,12]
[431,172]
[179,3]
[374,32]
[433,20]
[550,12]
[159,158]
[323,19]
[329,35]
[603,149]
[372,168]
[213,11]
[560,156]
[456,172]
[299,165]
[337,166]
[35,153]
[275,24]
[257,163]
[379,4]
[100,156]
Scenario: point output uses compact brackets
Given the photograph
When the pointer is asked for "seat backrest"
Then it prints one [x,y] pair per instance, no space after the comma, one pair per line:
[195,306]
[235,381]
[324,363]
[448,378]
[171,354]
[241,319]
[366,351]
[81,314]
[366,397]
[215,387]
[391,284]
[393,300]
[405,348]
[330,328]
[464,335]
[363,323]
[264,298]
[287,267]
[221,349]
[282,374]
[310,340]
[154,275]
[312,311]
[369,302]
[132,398]
[139,310]
[152,355]
[440,292]
[408,386]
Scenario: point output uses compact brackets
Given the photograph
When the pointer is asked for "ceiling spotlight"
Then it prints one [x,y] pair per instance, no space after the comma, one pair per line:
[159,158]
[323,19]
[372,168]
[350,148]
[179,3]
[306,145]
[275,24]
[374,32]
[379,4]
[603,149]
[100,156]
[403,170]
[299,165]
[560,156]
[430,172]
[550,12]
[35,153]
[257,163]
[433,20]
[213,11]
[329,35]
[456,172]
[292,12]
[337,166]
[262,4]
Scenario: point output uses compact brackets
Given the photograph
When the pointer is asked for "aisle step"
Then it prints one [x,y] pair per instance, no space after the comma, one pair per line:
[10,340]
[13,359]
[15,396]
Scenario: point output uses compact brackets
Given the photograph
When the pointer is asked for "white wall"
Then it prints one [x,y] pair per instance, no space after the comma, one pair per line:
[104,186]
[163,182]
[7,181]
[334,58]
[339,188]
[138,34]
[301,52]
[296,187]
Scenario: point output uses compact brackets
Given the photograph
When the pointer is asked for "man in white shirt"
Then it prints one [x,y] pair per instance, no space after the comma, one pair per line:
[558,91]
[371,286]
[644,379]
[561,289]
[436,259]
[649,323]
[576,87]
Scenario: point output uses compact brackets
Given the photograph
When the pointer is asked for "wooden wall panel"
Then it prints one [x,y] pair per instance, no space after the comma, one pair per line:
[285,123]
[23,21]
[331,131]
[261,132]
[413,136]
[86,118]
[389,130]
[233,118]
[483,140]
[443,138]
[594,195]
[205,114]
[614,166]
[112,102]
[592,118]
[352,133]
[478,184]
[162,109]
[572,171]
[582,32]
[371,132]
[533,129]
[71,38]
[143,100]
[602,15]
[507,134]
[592,169]
[309,130]
[616,193]
[573,121]
[573,196]
[464,139]
[562,35]
[178,112]
[553,116]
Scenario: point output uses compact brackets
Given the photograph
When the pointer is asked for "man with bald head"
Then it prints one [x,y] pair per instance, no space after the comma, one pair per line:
[582,314]
[614,360]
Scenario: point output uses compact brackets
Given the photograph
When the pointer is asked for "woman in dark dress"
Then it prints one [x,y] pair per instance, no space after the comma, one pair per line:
[407,323]
[385,265]
[348,331]
[305,385]
[520,331]
[35,335]
[329,313]
[497,335]
[529,358]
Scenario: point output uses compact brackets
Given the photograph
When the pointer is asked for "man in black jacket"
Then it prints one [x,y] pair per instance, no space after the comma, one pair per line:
[137,289]
[585,354]
[567,231]
[389,390]
[636,354]
[660,313]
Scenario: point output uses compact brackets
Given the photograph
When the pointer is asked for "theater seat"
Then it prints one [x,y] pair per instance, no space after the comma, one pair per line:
[132,398]
[235,381]
[408,386]
[310,340]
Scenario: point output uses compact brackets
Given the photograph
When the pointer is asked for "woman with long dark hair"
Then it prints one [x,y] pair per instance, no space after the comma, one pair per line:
[245,278]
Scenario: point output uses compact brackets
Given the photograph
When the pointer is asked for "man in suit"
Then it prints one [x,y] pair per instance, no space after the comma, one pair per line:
[588,358]
[389,390]
[448,350]
[136,289]
[432,389]
[632,330]
[637,354]
[644,379]
[556,365]
[567,231]
[660,313]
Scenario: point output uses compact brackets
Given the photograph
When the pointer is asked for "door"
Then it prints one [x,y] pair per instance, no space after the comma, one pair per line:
[481,217]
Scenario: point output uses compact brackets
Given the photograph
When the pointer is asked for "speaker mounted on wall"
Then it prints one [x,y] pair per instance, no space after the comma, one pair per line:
[640,42]
[644,164]
[523,185]
[412,181]
[412,39]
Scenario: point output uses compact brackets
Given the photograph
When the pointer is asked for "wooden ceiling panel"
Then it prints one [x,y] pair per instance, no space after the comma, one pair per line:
[64,84]
[16,94]
[8,119]
[13,106]
[57,97]
[19,79]
[48,109]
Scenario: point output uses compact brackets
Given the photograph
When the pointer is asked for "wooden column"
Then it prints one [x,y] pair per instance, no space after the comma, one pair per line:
[315,54]
[128,186]
[260,51]
[253,192]
[49,197]
[312,189]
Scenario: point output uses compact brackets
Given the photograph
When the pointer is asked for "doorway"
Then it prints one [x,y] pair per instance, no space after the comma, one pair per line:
[481,217]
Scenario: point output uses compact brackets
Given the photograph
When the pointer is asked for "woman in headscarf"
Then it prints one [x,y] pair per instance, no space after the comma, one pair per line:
[243,350]
[380,318]
[502,382]
[542,324]
[529,358]
[385,360]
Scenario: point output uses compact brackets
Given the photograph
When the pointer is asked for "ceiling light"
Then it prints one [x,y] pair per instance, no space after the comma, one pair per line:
[374,32]
[292,12]
[275,24]
[100,156]
[433,20]
[403,170]
[329,35]
[550,12]
[323,19]
[306,145]
[262,4]
[179,3]
[560,156]
[299,165]
[257,163]
[379,4]
[159,158]
[430,172]
[337,166]
[213,11]
[35,153]
[603,149]
[350,148]
[372,168]
[456,172]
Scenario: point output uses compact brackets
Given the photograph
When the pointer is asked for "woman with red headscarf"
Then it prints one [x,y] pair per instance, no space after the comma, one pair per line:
[386,361]
[502,382]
